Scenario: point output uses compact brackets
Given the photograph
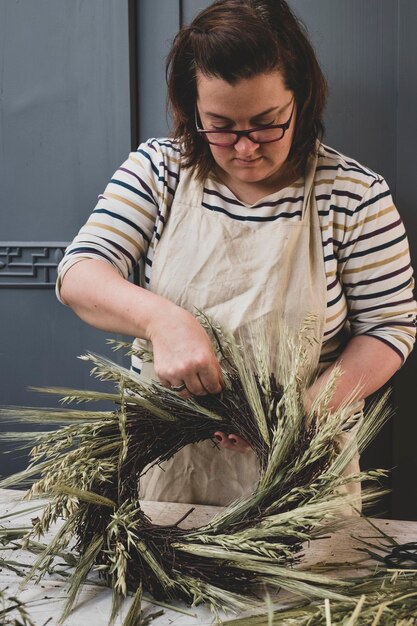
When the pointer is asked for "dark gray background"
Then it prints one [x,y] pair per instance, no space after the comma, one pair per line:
[64,129]
[65,126]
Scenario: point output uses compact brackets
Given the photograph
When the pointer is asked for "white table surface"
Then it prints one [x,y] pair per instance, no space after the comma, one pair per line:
[93,605]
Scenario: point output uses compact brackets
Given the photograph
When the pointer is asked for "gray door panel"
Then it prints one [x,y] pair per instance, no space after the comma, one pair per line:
[64,128]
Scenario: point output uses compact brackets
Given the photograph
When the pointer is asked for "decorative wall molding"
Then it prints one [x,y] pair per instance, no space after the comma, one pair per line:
[30,264]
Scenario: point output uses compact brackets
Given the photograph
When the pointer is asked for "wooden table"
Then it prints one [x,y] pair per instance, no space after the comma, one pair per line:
[94,603]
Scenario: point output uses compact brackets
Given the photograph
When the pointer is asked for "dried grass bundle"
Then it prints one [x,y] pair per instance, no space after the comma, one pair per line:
[91,465]
[380,599]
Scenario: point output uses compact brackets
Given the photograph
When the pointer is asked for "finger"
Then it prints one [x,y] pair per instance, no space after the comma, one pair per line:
[230,444]
[211,379]
[238,443]
[177,386]
[164,382]
[221,438]
[194,385]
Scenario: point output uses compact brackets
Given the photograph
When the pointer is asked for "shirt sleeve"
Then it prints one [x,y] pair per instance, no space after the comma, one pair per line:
[122,224]
[375,270]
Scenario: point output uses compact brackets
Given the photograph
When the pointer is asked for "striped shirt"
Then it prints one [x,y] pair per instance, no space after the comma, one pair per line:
[365,248]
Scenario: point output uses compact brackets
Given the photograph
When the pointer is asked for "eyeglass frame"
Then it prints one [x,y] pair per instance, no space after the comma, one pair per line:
[243,133]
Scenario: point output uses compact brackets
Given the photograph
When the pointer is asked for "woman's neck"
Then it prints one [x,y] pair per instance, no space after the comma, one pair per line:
[252,192]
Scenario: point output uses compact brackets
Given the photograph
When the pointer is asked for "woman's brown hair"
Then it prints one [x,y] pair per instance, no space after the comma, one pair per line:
[235,39]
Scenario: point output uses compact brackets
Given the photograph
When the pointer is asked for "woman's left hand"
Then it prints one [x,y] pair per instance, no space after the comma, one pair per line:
[232,442]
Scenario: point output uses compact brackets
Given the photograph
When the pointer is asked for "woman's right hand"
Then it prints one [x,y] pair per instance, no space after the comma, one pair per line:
[183,353]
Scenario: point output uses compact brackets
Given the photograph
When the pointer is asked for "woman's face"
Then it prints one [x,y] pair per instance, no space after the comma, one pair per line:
[250,103]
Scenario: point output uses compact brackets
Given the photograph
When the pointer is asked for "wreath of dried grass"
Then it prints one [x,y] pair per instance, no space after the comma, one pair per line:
[90,468]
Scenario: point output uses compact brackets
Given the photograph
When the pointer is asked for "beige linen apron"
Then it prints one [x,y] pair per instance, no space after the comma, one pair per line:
[236,274]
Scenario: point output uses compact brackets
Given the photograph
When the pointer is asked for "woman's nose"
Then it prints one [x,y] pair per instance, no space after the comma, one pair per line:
[245,146]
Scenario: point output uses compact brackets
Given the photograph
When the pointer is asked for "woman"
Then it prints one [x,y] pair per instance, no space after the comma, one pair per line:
[245,215]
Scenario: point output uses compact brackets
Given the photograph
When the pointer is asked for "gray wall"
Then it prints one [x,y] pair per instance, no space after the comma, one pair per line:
[64,129]
[405,422]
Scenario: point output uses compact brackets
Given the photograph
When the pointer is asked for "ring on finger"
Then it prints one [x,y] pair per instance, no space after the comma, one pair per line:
[178,388]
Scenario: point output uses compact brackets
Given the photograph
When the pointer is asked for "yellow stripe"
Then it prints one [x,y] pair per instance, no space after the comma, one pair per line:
[401,339]
[341,313]
[135,160]
[330,181]
[121,234]
[377,264]
[172,159]
[397,312]
[361,222]
[129,203]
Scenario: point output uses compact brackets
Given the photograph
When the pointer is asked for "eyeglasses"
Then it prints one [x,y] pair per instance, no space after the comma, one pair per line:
[228,138]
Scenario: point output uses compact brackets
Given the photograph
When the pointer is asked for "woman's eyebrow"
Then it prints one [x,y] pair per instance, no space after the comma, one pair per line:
[227,119]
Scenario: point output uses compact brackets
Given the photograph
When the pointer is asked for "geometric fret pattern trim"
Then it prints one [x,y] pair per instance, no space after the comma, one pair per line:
[30,264]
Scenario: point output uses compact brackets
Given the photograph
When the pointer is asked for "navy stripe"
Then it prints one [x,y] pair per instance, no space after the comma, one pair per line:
[161,179]
[333,284]
[371,281]
[132,189]
[321,168]
[372,234]
[342,194]
[250,218]
[121,249]
[336,300]
[346,194]
[380,294]
[168,144]
[376,182]
[363,205]
[331,241]
[335,329]
[391,325]
[125,220]
[385,305]
[171,173]
[337,209]
[352,163]
[140,181]
[93,251]
[148,156]
[161,219]
[350,212]
[383,246]
[213,192]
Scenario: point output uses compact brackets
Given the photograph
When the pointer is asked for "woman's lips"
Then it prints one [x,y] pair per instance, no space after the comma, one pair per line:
[248,162]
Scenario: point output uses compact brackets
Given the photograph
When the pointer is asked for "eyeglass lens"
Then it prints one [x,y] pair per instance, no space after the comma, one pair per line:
[260,135]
